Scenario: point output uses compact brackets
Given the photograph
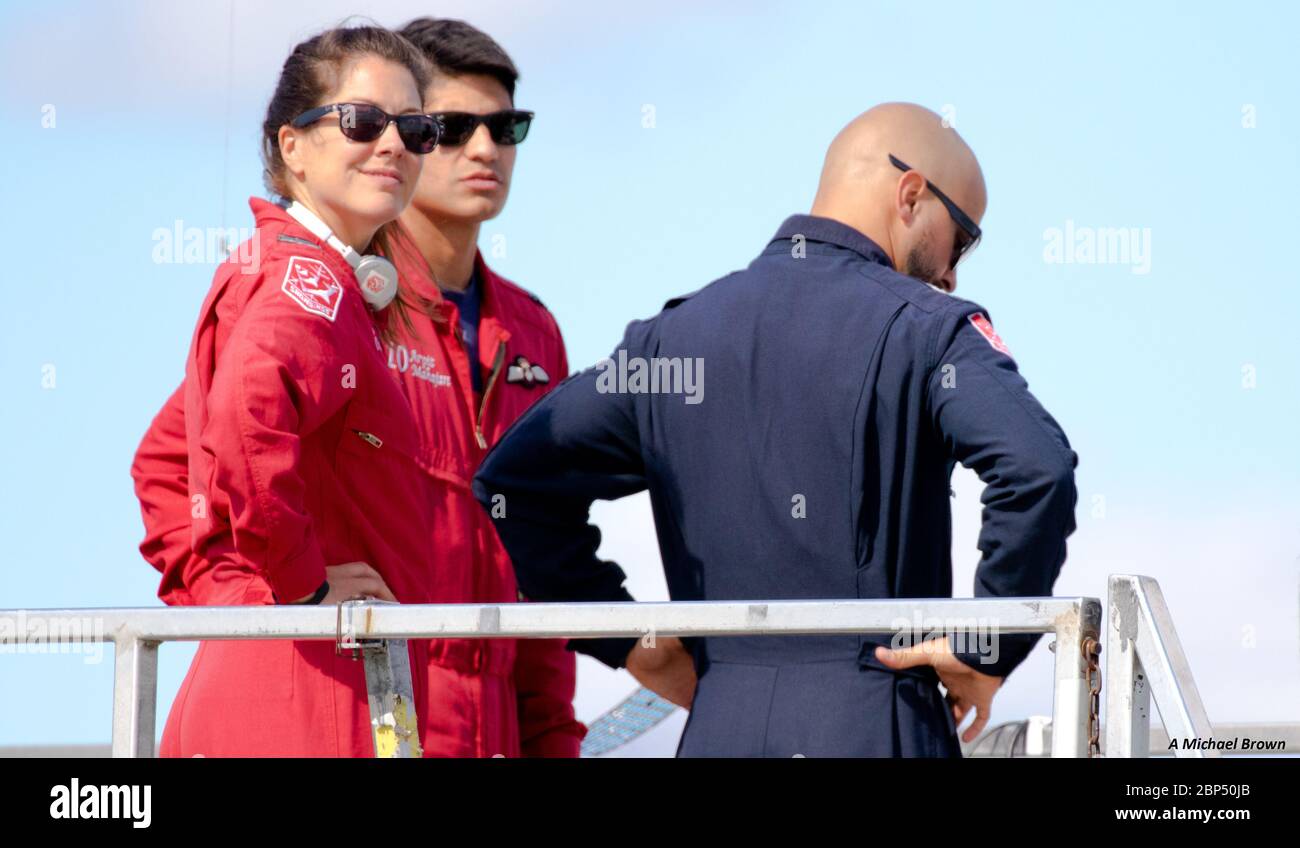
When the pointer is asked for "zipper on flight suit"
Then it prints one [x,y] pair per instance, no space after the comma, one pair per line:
[497,361]
[481,649]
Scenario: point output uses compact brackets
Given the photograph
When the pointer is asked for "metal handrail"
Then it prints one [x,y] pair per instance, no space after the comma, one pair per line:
[1145,661]
[137,633]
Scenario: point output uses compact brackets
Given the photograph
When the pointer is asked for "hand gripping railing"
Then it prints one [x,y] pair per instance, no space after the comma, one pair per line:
[137,633]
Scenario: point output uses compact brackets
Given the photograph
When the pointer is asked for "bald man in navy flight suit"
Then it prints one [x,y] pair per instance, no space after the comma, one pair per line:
[845,381]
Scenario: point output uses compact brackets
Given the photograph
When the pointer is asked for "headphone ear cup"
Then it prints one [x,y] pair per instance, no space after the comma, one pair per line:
[378,279]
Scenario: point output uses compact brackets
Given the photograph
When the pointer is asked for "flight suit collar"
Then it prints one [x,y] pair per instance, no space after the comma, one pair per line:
[491,329]
[830,231]
[294,236]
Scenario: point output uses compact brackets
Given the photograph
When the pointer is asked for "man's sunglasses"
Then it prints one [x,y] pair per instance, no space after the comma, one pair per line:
[366,122]
[968,232]
[506,127]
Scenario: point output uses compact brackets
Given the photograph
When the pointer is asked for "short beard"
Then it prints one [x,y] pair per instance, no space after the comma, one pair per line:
[915,266]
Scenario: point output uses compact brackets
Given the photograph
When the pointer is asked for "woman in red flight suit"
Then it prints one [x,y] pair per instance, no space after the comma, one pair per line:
[299,443]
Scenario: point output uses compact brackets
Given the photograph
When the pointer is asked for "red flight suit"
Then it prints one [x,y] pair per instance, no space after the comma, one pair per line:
[300,452]
[475,697]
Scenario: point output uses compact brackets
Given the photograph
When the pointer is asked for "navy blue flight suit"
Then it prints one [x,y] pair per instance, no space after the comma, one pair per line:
[838,395]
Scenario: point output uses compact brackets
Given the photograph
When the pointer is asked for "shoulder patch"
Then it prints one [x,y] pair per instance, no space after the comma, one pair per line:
[313,286]
[985,329]
[296,240]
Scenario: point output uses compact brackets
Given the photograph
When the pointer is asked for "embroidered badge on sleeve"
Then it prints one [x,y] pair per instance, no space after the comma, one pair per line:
[985,329]
[313,286]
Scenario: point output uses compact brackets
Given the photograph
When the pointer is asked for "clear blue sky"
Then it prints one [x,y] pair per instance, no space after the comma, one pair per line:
[1178,120]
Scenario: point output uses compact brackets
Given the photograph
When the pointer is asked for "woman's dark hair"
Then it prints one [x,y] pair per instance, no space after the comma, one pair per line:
[313,70]
[456,48]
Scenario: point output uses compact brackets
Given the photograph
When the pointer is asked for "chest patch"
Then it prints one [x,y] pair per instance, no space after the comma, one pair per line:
[311,284]
[985,328]
[523,371]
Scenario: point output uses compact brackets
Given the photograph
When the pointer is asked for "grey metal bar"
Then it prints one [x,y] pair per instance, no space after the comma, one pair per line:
[138,632]
[1071,697]
[135,696]
[392,701]
[1128,695]
[544,620]
[1159,656]
[389,693]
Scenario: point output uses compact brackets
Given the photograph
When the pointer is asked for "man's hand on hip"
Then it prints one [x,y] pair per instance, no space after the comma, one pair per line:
[666,669]
[967,688]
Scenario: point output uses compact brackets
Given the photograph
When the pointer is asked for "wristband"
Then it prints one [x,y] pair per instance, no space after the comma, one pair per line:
[315,599]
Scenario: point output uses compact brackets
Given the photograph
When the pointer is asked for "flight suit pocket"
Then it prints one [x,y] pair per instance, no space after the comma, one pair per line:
[377,435]
[373,463]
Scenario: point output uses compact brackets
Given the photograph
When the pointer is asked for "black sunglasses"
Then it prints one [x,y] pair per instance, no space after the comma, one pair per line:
[968,232]
[509,126]
[366,122]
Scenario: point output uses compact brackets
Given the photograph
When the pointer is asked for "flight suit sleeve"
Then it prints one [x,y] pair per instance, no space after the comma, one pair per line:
[577,444]
[281,374]
[546,678]
[989,422]
[160,474]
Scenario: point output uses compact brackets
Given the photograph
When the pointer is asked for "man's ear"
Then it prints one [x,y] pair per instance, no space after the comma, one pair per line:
[290,151]
[907,195]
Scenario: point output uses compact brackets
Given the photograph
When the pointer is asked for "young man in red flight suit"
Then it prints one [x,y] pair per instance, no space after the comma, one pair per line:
[489,351]
[486,353]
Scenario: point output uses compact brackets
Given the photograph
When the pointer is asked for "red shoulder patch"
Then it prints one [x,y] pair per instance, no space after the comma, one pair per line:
[313,286]
[985,328]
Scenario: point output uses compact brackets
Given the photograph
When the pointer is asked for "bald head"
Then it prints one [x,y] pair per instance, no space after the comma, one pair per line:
[861,188]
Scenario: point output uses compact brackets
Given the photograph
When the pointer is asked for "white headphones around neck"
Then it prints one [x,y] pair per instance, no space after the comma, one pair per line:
[375,274]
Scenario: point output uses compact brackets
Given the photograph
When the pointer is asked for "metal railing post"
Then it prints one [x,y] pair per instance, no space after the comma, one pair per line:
[1128,697]
[135,695]
[1157,656]
[393,722]
[389,693]
[1071,697]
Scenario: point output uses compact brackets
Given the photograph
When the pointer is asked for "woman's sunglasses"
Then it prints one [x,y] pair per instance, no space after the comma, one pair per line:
[506,127]
[365,122]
